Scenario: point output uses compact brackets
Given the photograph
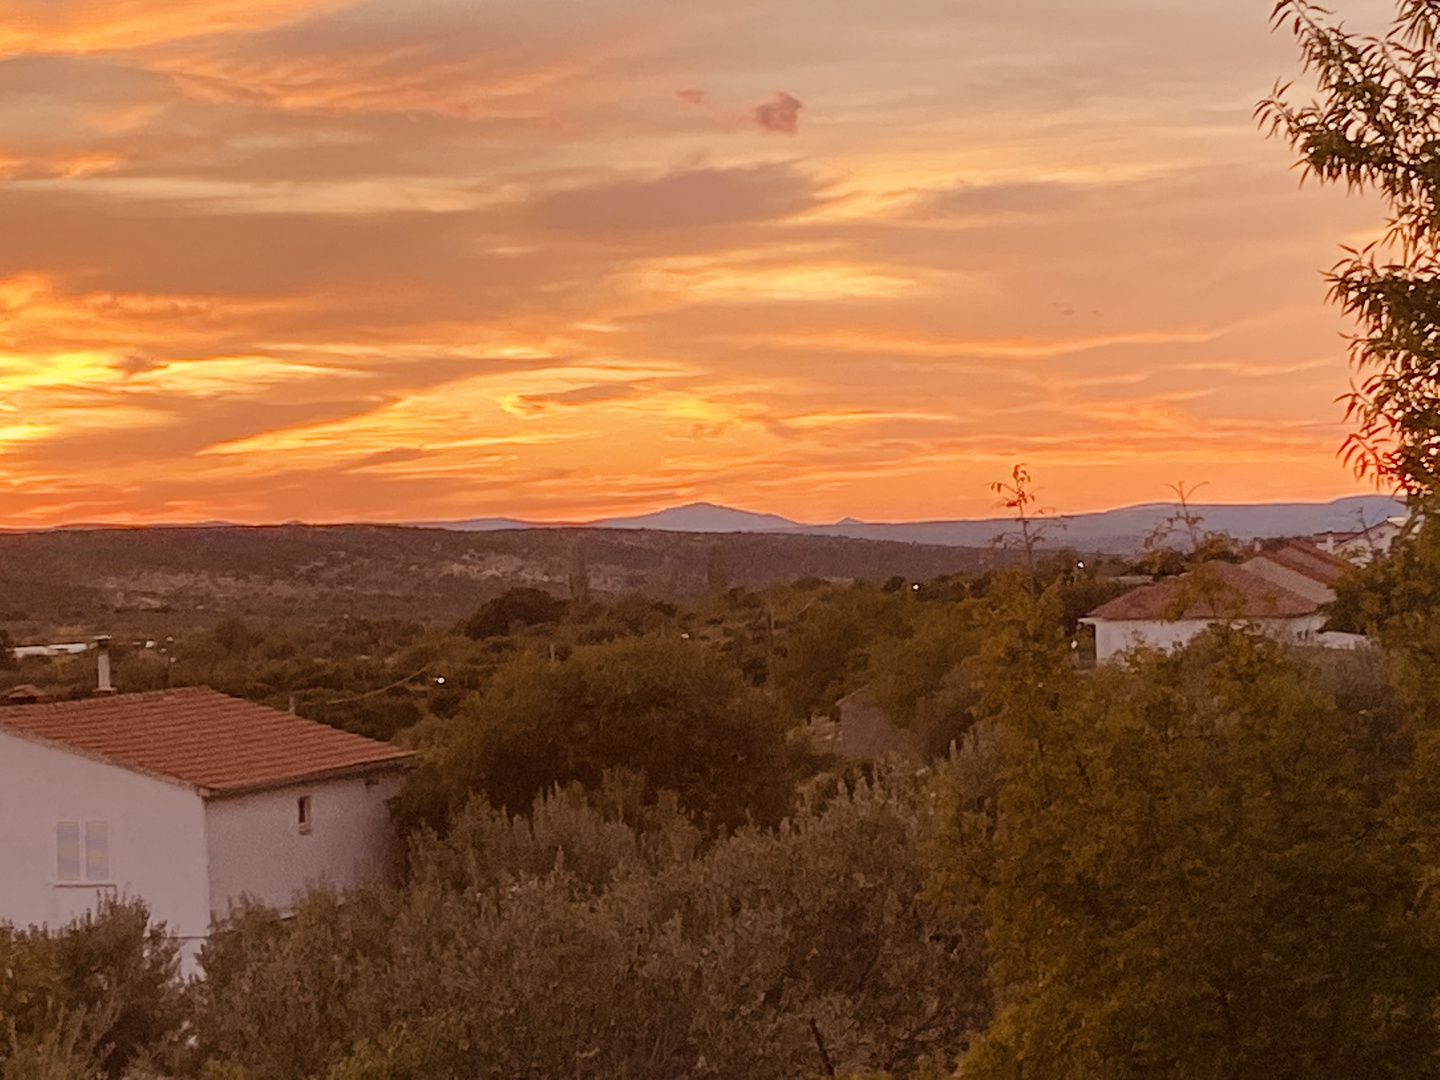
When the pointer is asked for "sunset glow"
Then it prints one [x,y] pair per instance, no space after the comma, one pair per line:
[393,261]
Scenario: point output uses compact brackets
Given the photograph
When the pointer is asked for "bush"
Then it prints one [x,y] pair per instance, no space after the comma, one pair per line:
[523,606]
[570,943]
[91,998]
[672,710]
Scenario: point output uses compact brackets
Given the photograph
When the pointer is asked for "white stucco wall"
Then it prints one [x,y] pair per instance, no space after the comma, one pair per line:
[1114,637]
[257,848]
[156,838]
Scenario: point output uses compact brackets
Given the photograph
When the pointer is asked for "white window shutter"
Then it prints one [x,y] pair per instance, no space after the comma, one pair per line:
[67,851]
[97,851]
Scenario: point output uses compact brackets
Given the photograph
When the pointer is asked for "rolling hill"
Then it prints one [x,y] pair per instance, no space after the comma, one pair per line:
[152,578]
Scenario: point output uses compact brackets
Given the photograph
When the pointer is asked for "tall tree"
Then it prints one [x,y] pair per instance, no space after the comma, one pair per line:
[1182,873]
[1376,126]
[674,710]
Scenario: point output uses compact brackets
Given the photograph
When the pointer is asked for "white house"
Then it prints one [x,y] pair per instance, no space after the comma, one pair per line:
[1362,545]
[68,648]
[1302,569]
[1281,591]
[189,799]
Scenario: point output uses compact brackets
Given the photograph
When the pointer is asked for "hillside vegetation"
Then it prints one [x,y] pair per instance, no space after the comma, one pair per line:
[155,579]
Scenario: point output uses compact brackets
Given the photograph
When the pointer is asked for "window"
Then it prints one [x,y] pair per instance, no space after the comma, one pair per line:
[82,851]
[67,851]
[302,813]
[97,851]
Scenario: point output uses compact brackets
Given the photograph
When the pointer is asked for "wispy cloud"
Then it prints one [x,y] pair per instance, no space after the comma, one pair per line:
[39,26]
[373,259]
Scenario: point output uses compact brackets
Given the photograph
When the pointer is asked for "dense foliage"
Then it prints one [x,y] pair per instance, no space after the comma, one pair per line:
[670,709]
[98,998]
[1207,864]
[1185,872]
[570,943]
[630,854]
[1376,126]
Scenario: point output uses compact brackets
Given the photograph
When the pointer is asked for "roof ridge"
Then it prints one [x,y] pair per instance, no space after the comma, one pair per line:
[111,700]
[1272,586]
[202,737]
[1152,602]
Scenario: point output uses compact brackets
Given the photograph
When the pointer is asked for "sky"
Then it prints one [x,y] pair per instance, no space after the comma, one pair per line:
[396,260]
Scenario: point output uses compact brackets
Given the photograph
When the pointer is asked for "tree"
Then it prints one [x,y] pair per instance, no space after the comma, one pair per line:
[1182,872]
[1162,558]
[826,650]
[522,605]
[672,709]
[918,679]
[1376,126]
[1018,494]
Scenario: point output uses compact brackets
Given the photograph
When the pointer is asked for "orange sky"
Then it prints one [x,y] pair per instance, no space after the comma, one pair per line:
[420,259]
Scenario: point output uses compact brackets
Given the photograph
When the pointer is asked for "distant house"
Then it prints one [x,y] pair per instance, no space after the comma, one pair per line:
[866,731]
[1281,590]
[1301,568]
[186,798]
[68,648]
[1361,545]
[861,731]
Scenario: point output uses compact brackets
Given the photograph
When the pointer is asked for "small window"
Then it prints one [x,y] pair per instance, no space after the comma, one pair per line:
[67,851]
[302,813]
[97,851]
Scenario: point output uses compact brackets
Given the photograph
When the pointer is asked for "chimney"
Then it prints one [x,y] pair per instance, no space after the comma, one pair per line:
[102,666]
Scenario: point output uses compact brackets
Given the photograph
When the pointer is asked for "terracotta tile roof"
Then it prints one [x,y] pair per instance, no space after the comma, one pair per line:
[1308,560]
[1217,590]
[201,737]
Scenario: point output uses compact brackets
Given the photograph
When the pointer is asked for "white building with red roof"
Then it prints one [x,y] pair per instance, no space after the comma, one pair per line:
[1282,591]
[188,799]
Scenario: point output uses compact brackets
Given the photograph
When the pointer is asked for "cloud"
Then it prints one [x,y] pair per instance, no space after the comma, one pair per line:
[689,199]
[535,404]
[43,26]
[752,277]
[302,258]
[132,364]
[398,456]
[387,80]
[780,114]
[988,201]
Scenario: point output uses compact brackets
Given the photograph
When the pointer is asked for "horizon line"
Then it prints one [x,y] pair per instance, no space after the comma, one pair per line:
[600,522]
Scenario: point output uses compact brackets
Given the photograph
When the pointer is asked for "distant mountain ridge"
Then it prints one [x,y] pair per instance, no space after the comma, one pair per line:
[696,517]
[702,517]
[1122,530]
